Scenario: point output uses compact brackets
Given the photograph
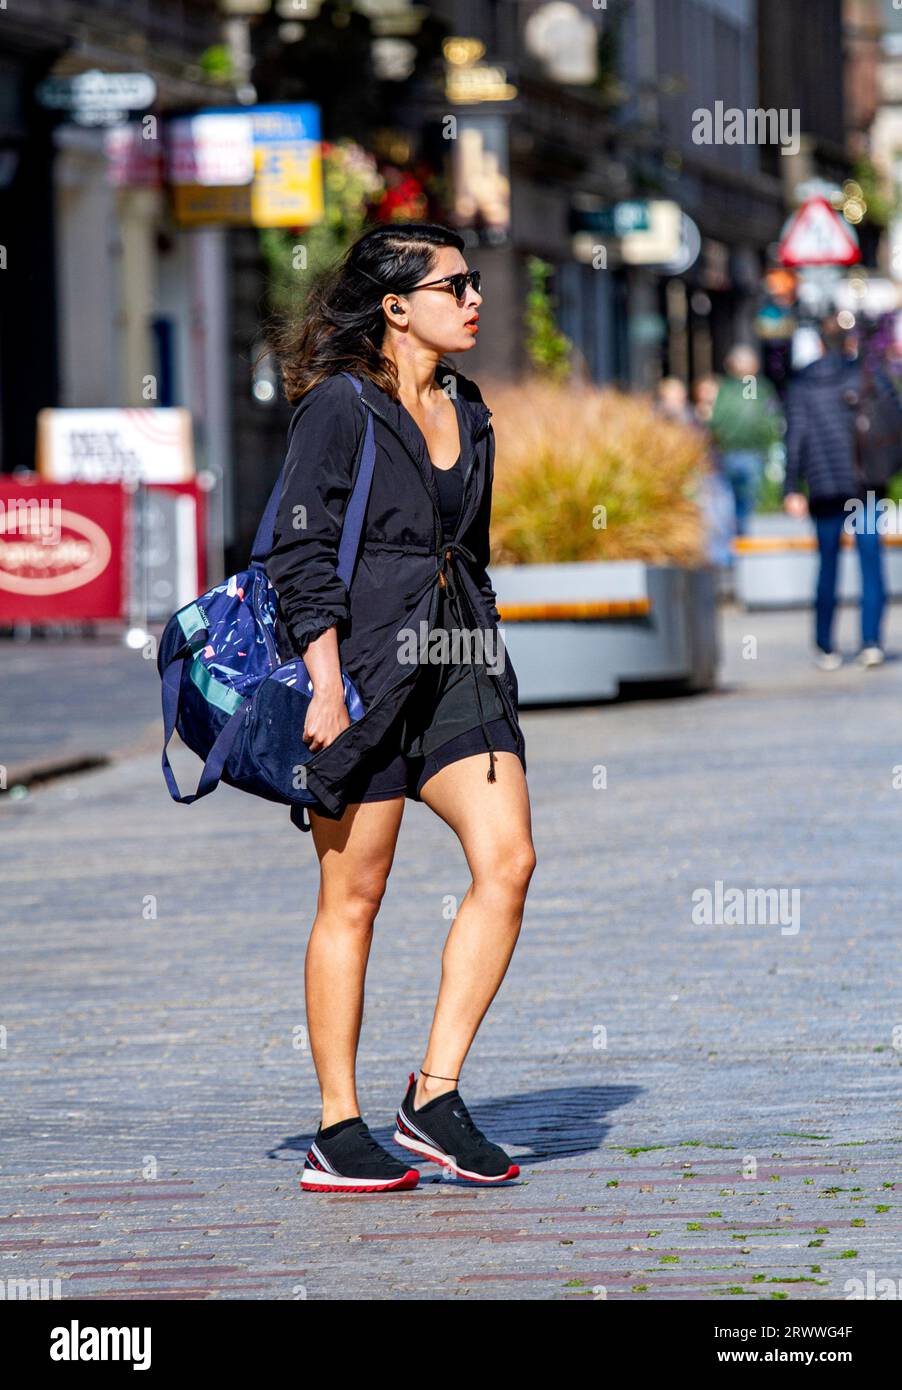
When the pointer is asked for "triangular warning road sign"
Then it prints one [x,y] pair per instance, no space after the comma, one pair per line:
[817,235]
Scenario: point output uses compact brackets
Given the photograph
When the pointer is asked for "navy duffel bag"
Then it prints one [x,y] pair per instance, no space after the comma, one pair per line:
[224,688]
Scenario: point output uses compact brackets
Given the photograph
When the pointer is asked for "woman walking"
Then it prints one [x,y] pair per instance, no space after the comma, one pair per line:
[440,718]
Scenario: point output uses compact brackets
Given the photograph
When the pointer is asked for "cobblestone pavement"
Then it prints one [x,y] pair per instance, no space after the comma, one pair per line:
[699,1111]
[65,701]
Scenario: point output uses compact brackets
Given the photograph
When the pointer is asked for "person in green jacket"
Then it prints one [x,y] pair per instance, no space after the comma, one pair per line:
[746,421]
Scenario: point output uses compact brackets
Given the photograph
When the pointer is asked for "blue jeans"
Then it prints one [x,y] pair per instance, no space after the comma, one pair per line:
[743,468]
[873,589]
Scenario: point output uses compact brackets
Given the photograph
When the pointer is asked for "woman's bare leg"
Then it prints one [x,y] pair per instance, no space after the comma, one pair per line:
[492,821]
[355,855]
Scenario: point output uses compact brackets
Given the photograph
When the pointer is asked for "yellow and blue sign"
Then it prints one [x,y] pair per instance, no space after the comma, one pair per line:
[287,185]
[288,175]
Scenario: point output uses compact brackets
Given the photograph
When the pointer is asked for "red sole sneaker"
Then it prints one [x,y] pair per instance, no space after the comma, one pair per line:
[314,1181]
[446,1161]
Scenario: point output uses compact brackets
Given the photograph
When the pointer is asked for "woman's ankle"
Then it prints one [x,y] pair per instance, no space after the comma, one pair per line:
[334,1113]
[431,1087]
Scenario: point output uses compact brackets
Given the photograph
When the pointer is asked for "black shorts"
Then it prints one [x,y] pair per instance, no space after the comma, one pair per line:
[441,723]
[391,774]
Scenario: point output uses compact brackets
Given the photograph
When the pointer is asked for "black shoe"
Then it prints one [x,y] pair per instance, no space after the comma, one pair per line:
[345,1157]
[443,1131]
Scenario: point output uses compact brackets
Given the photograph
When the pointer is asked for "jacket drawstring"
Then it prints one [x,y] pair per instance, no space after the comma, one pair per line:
[445,579]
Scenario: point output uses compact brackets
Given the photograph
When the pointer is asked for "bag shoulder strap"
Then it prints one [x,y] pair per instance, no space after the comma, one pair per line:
[352,527]
[356,510]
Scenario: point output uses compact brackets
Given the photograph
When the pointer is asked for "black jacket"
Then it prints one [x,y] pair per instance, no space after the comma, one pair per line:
[822,405]
[395,583]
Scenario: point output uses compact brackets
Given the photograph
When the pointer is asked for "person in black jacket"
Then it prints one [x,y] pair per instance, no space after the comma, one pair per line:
[417,632]
[830,406]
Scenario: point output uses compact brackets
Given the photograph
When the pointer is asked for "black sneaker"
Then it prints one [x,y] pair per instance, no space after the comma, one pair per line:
[443,1131]
[346,1158]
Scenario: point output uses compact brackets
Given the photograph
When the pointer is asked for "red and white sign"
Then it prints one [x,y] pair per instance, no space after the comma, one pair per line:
[62,549]
[817,235]
[104,446]
[212,148]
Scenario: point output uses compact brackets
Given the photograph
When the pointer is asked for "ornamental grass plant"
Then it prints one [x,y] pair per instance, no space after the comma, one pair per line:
[589,473]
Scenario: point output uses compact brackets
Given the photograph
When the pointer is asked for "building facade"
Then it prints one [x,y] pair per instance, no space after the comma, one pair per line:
[105,302]
[546,120]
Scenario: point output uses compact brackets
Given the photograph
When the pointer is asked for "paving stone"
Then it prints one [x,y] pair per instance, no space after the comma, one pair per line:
[699,1111]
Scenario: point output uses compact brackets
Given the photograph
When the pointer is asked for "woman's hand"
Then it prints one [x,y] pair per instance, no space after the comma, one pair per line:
[327,716]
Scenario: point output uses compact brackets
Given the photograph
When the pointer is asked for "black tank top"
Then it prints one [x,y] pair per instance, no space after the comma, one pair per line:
[446,704]
[450,484]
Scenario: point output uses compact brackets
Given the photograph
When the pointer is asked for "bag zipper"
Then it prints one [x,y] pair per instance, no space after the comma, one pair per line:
[483,428]
[267,635]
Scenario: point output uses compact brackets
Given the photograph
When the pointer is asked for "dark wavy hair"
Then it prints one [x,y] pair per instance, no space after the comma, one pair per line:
[341,324]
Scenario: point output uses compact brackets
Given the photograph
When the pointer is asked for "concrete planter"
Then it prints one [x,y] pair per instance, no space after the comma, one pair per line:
[780,570]
[579,632]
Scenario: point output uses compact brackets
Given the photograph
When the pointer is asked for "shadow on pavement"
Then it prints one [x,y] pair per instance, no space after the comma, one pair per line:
[537,1127]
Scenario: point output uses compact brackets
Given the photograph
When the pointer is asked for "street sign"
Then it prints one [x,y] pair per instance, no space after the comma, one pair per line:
[98,98]
[62,551]
[615,219]
[662,241]
[646,231]
[288,174]
[689,248]
[151,445]
[257,167]
[817,235]
[211,149]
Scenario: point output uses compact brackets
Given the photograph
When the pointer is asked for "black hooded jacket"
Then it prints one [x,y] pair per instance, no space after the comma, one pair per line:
[401,558]
[823,404]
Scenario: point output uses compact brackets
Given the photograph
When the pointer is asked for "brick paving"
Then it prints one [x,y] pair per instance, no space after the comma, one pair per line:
[699,1111]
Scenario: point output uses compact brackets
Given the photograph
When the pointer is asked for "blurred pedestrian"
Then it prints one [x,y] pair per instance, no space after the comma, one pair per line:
[745,422]
[704,394]
[714,496]
[717,496]
[672,400]
[844,431]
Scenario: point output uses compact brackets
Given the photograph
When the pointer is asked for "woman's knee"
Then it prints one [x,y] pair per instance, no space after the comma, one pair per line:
[507,868]
[354,904]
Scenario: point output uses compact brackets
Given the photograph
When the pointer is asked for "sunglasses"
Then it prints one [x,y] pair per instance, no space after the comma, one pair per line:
[458,283]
